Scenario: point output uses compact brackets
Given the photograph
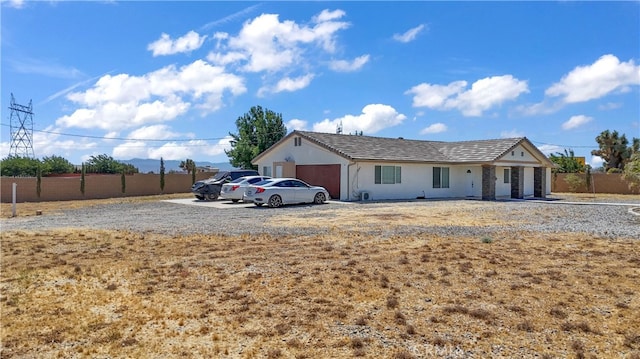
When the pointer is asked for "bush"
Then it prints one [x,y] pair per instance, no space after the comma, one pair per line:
[575,182]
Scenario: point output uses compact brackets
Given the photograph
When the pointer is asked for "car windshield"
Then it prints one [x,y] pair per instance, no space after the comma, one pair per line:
[238,180]
[220,175]
[262,183]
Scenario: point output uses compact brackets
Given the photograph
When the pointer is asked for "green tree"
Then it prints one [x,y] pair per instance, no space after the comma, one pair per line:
[615,150]
[632,171]
[123,181]
[567,162]
[161,174]
[39,181]
[18,166]
[83,173]
[188,165]
[57,165]
[257,130]
[106,164]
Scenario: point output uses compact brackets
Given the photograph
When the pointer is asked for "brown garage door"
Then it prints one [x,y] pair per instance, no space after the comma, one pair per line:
[327,176]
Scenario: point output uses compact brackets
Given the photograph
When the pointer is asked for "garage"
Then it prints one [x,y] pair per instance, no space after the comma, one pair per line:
[327,176]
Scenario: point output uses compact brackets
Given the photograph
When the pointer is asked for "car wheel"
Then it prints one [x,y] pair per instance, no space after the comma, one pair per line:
[320,198]
[235,200]
[258,204]
[275,201]
[211,196]
[200,198]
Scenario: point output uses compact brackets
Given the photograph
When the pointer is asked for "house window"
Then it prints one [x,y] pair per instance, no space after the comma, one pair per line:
[513,153]
[266,171]
[297,141]
[440,177]
[522,154]
[388,174]
[507,175]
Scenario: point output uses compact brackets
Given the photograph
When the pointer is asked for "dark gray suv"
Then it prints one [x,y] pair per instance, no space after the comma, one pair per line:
[209,189]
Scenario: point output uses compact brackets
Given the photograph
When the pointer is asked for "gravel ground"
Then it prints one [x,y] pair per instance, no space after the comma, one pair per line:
[609,221]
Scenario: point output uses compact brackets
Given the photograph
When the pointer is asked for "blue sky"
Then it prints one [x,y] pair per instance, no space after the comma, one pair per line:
[169,79]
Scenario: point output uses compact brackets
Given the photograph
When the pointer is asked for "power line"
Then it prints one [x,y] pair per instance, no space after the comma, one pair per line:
[564,146]
[127,139]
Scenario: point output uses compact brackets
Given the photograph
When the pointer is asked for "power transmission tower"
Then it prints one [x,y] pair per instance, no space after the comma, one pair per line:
[21,124]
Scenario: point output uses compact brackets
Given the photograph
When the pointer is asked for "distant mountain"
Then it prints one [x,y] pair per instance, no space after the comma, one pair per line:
[150,165]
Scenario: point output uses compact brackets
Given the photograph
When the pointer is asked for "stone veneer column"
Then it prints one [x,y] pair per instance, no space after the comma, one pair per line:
[488,183]
[540,182]
[517,182]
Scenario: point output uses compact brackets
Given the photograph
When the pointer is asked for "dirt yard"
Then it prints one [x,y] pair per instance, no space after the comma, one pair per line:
[112,294]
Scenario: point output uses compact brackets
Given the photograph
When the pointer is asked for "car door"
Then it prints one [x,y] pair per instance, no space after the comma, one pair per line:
[302,192]
[286,190]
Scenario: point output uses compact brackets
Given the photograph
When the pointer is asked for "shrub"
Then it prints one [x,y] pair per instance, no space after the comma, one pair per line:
[575,182]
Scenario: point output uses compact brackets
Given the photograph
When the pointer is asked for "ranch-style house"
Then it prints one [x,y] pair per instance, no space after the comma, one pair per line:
[354,168]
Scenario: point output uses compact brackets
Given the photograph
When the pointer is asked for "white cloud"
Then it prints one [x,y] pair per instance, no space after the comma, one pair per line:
[410,35]
[511,134]
[549,149]
[267,44]
[16,4]
[576,121]
[596,162]
[125,101]
[597,80]
[434,128]
[155,132]
[483,95]
[166,46]
[609,106]
[296,124]
[349,66]
[374,118]
[289,84]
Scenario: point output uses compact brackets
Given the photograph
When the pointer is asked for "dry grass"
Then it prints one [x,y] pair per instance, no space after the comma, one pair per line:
[69,293]
[27,209]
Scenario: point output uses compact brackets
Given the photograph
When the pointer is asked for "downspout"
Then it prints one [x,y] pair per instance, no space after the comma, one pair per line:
[349,191]
[349,180]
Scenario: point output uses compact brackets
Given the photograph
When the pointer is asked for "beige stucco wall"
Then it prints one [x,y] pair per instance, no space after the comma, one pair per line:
[600,183]
[96,186]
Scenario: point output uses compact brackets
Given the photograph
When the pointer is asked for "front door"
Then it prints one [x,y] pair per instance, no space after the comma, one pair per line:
[469,185]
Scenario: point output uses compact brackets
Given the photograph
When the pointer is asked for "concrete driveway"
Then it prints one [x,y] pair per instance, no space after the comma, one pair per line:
[222,204]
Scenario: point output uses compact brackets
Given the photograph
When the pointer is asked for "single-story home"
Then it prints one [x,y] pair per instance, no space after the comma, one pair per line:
[354,167]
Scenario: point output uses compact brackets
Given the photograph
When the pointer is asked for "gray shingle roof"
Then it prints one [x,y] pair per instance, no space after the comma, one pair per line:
[398,149]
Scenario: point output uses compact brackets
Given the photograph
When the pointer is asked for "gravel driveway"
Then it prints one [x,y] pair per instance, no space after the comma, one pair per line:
[174,219]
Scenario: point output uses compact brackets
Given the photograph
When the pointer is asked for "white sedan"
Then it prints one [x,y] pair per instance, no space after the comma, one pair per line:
[276,192]
[235,189]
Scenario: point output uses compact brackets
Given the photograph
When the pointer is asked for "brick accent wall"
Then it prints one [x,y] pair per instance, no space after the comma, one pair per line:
[96,186]
[540,182]
[489,183]
[517,182]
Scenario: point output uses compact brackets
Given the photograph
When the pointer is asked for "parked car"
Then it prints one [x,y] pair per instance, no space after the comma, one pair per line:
[209,189]
[276,192]
[235,189]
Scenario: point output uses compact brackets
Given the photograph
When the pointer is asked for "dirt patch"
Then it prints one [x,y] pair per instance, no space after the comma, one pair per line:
[68,293]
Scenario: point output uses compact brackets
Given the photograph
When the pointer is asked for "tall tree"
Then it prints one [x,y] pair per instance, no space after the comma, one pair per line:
[258,130]
[567,162]
[18,166]
[161,174]
[106,164]
[57,165]
[632,170]
[188,165]
[615,150]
